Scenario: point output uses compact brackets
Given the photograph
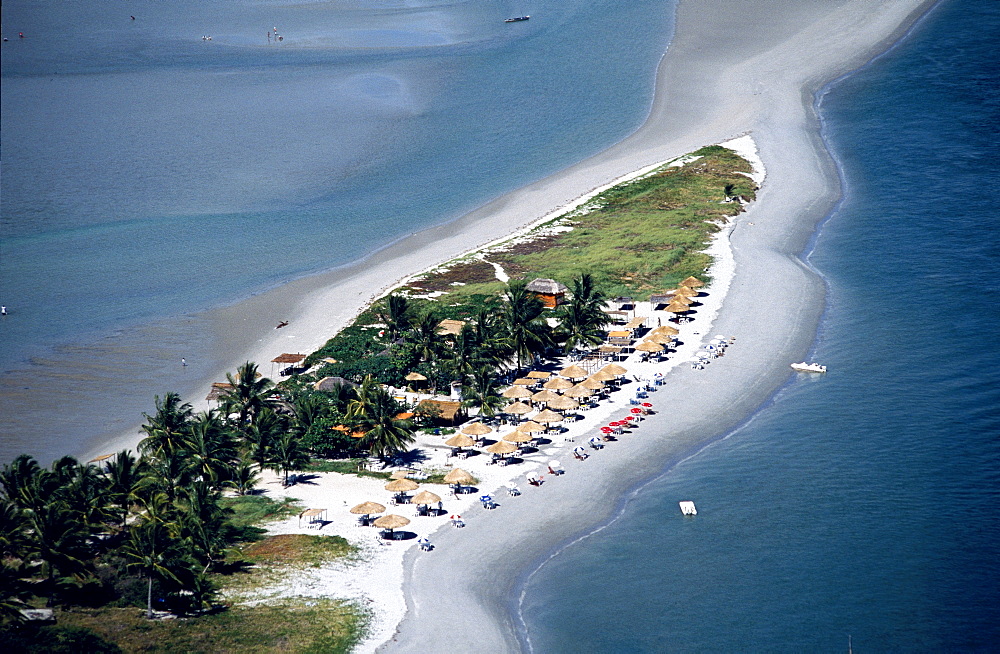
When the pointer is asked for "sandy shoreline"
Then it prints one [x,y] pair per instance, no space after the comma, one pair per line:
[761,82]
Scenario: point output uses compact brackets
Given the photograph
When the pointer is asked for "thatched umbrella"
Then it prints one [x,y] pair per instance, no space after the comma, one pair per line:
[402,485]
[399,474]
[686,291]
[547,416]
[392,521]
[458,476]
[681,299]
[516,393]
[603,376]
[693,282]
[557,384]
[502,447]
[415,376]
[677,307]
[517,408]
[578,391]
[592,384]
[649,346]
[425,497]
[666,329]
[368,508]
[614,369]
[476,429]
[563,403]
[518,437]
[662,339]
[573,372]
[460,440]
[544,396]
[530,427]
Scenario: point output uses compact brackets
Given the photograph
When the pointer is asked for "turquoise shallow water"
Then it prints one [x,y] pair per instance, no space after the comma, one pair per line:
[149,174]
[863,503]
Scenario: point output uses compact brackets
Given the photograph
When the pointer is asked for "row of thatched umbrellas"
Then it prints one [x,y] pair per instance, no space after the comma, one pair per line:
[401,484]
[658,339]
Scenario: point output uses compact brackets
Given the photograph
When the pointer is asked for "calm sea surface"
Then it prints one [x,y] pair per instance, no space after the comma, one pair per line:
[149,174]
[864,503]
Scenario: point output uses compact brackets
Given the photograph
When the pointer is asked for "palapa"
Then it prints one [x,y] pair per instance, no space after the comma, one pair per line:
[614,369]
[425,497]
[518,437]
[517,408]
[524,381]
[677,307]
[649,346]
[516,393]
[544,396]
[368,508]
[547,416]
[399,474]
[460,440]
[476,429]
[288,358]
[502,447]
[458,476]
[573,372]
[415,376]
[692,282]
[530,427]
[563,403]
[592,384]
[401,485]
[666,329]
[603,375]
[538,374]
[391,521]
[686,291]
[681,299]
[557,384]
[578,391]
[662,339]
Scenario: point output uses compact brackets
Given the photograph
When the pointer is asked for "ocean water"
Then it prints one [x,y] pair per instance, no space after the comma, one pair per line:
[863,504]
[149,174]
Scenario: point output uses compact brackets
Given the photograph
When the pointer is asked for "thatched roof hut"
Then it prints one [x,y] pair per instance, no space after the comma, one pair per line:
[549,291]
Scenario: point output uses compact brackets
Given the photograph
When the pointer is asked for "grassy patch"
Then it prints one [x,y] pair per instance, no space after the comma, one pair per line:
[295,625]
[298,549]
[256,510]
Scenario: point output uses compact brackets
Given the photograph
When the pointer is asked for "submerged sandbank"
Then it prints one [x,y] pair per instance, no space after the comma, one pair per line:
[724,74]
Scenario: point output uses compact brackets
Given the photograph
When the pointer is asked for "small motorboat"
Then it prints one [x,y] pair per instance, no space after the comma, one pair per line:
[808,367]
[687,508]
[517,19]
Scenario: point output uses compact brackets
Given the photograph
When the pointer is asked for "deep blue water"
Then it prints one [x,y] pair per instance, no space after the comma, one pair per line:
[865,503]
[149,174]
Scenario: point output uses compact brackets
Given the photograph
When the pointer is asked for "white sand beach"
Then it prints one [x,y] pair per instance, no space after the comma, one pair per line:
[731,70]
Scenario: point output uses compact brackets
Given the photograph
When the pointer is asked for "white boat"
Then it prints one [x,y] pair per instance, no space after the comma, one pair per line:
[808,367]
[687,508]
[518,19]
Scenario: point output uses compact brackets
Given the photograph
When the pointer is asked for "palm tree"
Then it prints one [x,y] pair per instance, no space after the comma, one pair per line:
[527,332]
[374,413]
[203,522]
[243,479]
[287,455]
[425,338]
[582,319]
[124,480]
[493,346]
[247,395]
[210,448]
[19,478]
[165,428]
[60,540]
[261,436]
[153,550]
[396,314]
[465,353]
[483,391]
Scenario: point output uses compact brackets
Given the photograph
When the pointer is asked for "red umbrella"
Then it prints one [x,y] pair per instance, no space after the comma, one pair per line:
[647,404]
[637,410]
[616,423]
[607,430]
[628,419]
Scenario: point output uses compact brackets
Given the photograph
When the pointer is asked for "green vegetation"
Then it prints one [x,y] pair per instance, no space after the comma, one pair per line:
[295,625]
[154,531]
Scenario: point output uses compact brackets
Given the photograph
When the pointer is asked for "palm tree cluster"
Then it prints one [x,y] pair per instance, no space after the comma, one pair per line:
[505,334]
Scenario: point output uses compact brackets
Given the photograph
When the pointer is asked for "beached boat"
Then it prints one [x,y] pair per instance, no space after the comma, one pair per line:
[808,367]
[517,20]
